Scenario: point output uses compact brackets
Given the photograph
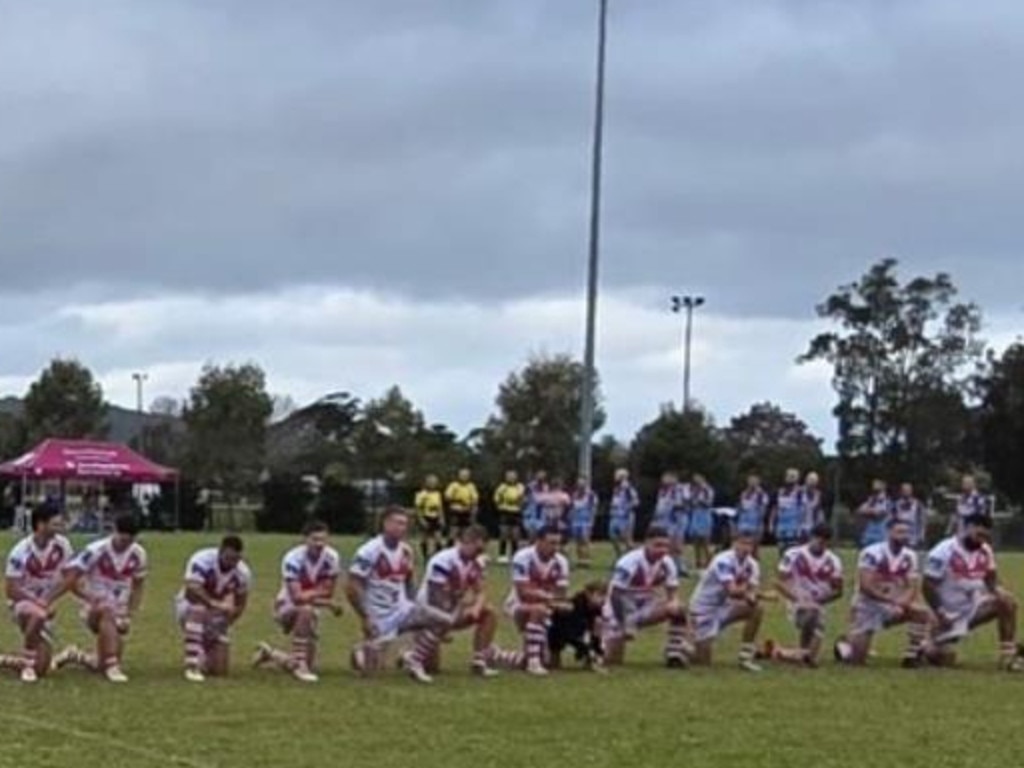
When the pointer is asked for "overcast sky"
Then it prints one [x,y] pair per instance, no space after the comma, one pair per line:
[355,194]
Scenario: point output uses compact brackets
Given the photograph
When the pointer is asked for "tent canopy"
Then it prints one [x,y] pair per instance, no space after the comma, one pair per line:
[86,460]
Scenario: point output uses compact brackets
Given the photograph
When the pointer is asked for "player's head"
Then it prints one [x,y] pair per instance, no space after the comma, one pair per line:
[753,480]
[812,480]
[907,490]
[230,552]
[125,530]
[899,534]
[657,543]
[540,476]
[511,477]
[669,478]
[395,523]
[465,475]
[699,479]
[821,537]
[744,543]
[977,531]
[557,483]
[46,522]
[549,540]
[315,532]
[621,475]
[596,591]
[430,481]
[878,485]
[473,541]
[581,483]
[968,484]
[792,476]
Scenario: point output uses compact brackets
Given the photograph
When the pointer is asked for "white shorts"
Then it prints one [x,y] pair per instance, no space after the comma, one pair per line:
[709,623]
[960,621]
[638,611]
[406,617]
[869,616]
[18,612]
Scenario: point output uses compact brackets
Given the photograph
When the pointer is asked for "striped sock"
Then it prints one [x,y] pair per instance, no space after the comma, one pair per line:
[675,644]
[506,659]
[9,661]
[425,646]
[193,645]
[747,652]
[281,659]
[916,634]
[300,652]
[795,655]
[28,657]
[535,637]
[1007,650]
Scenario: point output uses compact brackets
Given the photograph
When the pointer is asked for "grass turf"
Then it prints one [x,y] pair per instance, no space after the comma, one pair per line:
[641,715]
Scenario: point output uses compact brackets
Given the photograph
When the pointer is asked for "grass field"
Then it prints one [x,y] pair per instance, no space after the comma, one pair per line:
[642,715]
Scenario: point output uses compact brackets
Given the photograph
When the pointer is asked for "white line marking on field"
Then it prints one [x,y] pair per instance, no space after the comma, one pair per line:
[158,756]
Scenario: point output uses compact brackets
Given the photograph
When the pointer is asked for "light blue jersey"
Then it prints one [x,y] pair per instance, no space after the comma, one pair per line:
[751,513]
[789,514]
[622,511]
[702,501]
[875,526]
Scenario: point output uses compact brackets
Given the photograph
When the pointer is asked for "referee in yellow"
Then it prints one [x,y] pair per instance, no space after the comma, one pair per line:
[463,501]
[509,498]
[429,505]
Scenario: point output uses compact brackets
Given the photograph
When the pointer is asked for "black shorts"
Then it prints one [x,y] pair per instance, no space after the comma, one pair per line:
[430,525]
[510,520]
[458,520]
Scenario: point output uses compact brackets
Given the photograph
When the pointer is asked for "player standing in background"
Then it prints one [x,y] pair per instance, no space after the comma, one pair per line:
[670,513]
[787,516]
[34,581]
[726,594]
[453,585]
[644,592]
[752,511]
[809,578]
[701,519]
[968,504]
[463,502]
[429,504]
[875,513]
[540,583]
[309,579]
[886,596]
[908,509]
[212,599]
[581,520]
[555,505]
[108,577]
[961,586]
[622,512]
[813,503]
[509,499]
[381,591]
[533,514]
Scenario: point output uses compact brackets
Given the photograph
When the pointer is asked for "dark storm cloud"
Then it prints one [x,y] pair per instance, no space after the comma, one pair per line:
[761,151]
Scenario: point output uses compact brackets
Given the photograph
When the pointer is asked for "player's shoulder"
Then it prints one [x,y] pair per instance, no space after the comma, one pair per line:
[244,570]
[563,561]
[63,543]
[943,549]
[369,549]
[294,554]
[21,547]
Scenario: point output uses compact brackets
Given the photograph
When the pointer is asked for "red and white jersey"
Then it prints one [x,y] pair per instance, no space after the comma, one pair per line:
[454,575]
[809,576]
[893,571]
[108,575]
[529,569]
[39,570]
[640,577]
[204,569]
[725,572]
[961,573]
[300,567]
[387,572]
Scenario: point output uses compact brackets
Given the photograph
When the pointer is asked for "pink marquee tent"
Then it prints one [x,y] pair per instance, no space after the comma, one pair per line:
[86,460]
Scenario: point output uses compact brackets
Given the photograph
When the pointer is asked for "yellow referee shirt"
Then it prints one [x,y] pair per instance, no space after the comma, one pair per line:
[429,504]
[508,498]
[462,497]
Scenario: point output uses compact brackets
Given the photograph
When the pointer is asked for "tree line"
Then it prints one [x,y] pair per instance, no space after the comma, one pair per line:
[919,398]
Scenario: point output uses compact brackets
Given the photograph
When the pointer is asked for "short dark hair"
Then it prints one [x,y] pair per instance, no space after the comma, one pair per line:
[822,531]
[549,530]
[657,532]
[314,526]
[127,524]
[43,514]
[233,543]
[979,519]
[474,532]
[394,510]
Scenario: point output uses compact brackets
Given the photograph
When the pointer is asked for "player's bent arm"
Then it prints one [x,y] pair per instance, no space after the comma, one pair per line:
[135,599]
[241,603]
[15,592]
[195,592]
[73,583]
[355,591]
[930,590]
[866,582]
[782,587]
[835,594]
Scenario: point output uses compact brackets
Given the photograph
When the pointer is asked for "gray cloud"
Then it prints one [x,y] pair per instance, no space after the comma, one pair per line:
[759,151]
